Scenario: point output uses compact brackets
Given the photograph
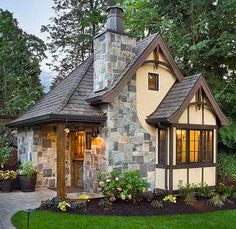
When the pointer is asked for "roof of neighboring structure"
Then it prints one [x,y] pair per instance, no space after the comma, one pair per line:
[142,51]
[66,100]
[178,98]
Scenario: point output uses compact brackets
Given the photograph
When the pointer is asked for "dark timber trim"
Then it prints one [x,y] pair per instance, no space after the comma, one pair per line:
[188,165]
[61,146]
[194,126]
[56,118]
[171,160]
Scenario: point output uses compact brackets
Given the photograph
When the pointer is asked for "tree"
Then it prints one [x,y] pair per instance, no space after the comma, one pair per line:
[202,36]
[20,55]
[72,30]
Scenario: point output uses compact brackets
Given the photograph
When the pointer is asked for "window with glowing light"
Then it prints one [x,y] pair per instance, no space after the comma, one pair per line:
[181,146]
[194,146]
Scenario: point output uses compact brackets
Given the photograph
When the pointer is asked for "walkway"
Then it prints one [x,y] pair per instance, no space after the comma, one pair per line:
[12,202]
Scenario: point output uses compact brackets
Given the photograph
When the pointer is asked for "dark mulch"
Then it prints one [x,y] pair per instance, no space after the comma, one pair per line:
[144,208]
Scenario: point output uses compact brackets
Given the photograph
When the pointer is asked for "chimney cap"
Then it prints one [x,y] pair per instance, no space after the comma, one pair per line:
[114,19]
[115,7]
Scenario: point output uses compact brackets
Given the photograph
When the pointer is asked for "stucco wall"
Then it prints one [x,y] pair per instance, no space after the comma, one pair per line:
[149,100]
[196,115]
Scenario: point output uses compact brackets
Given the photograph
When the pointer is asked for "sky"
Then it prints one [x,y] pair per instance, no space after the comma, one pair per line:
[31,15]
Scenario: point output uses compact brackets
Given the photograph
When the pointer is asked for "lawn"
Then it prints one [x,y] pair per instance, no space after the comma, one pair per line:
[51,220]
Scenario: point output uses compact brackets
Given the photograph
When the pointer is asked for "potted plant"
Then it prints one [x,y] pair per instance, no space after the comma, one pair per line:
[27,175]
[6,178]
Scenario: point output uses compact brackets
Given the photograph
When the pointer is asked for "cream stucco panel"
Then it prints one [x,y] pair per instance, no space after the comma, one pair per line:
[210,176]
[195,176]
[209,117]
[160,178]
[148,100]
[179,174]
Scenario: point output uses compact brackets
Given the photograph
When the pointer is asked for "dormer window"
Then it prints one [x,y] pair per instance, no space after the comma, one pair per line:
[153,81]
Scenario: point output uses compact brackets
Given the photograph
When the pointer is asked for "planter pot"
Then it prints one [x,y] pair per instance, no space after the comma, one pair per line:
[6,185]
[27,185]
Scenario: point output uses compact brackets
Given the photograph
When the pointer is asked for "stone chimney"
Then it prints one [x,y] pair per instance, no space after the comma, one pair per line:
[113,50]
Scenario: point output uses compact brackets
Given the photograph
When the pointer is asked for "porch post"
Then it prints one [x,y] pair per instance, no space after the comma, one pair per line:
[61,160]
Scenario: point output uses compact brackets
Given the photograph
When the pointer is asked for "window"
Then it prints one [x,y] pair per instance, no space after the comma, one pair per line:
[80,146]
[207,145]
[181,146]
[88,140]
[162,146]
[153,81]
[194,145]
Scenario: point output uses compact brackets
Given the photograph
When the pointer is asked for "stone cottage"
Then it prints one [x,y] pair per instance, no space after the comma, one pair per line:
[126,107]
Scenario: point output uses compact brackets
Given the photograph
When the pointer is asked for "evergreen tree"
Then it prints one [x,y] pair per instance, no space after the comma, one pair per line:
[20,55]
[72,30]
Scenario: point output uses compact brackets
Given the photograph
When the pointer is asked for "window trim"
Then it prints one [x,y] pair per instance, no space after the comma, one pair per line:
[166,137]
[201,145]
[157,82]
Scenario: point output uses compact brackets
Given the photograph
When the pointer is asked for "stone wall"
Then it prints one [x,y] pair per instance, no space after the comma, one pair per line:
[112,52]
[38,144]
[128,145]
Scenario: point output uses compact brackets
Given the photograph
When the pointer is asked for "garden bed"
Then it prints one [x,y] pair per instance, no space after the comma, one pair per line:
[144,208]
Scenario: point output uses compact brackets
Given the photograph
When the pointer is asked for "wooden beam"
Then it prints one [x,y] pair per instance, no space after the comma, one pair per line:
[157,63]
[61,145]
[157,54]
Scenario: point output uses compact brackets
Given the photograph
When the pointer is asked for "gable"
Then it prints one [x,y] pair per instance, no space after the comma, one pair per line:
[179,98]
[143,50]
[148,100]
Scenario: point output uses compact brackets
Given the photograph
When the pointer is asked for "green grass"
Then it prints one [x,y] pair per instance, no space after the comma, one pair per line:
[51,220]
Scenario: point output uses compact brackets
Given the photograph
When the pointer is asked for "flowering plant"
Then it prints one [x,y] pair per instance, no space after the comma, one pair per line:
[128,186]
[7,175]
[63,205]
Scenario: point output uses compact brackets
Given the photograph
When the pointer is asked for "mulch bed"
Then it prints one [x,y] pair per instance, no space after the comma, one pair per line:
[144,208]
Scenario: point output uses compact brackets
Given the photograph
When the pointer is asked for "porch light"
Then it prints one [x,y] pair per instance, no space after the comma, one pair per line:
[67,130]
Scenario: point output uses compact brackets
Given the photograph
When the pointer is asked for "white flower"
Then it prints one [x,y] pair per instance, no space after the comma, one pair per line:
[122,197]
[101,183]
[108,180]
[119,189]
[144,189]
[112,199]
[117,178]
[130,197]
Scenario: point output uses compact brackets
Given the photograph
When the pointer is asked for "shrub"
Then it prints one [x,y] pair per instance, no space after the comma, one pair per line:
[7,175]
[157,204]
[170,198]
[148,195]
[53,203]
[187,192]
[63,206]
[27,169]
[226,165]
[225,190]
[216,201]
[105,204]
[204,190]
[130,186]
[4,155]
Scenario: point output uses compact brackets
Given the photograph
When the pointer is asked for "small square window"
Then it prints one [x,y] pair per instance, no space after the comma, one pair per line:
[153,81]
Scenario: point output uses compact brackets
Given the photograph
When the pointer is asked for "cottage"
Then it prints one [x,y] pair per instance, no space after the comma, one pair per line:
[126,107]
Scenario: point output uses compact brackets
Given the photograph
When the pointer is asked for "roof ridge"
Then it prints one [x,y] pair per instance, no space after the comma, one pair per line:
[74,86]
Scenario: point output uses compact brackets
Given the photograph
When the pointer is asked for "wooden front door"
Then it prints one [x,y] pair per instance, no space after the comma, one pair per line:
[77,158]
